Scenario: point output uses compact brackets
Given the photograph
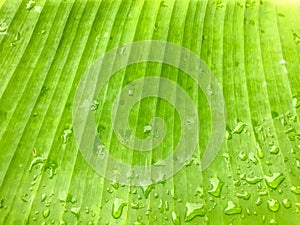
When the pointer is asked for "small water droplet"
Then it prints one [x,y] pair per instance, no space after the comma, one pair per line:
[46,213]
[216,186]
[295,190]
[146,190]
[296,37]
[232,208]
[240,126]
[253,180]
[243,156]
[117,207]
[30,4]
[67,133]
[94,105]
[274,180]
[274,149]
[245,195]
[193,210]
[175,218]
[286,203]
[76,211]
[147,129]
[273,205]
[3,27]
[130,92]
[258,201]
[273,222]
[296,101]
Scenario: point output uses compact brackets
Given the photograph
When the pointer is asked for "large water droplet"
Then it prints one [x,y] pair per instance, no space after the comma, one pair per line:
[232,208]
[273,205]
[117,207]
[193,210]
[273,222]
[216,186]
[274,180]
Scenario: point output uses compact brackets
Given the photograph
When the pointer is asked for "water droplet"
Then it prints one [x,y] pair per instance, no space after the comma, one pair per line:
[216,186]
[245,195]
[296,101]
[117,207]
[46,213]
[193,210]
[232,208]
[253,180]
[36,161]
[67,134]
[122,50]
[296,37]
[274,180]
[253,158]
[243,156]
[147,129]
[273,205]
[76,211]
[163,4]
[175,218]
[95,105]
[240,126]
[273,222]
[274,149]
[250,3]
[130,92]
[30,4]
[258,201]
[146,190]
[286,203]
[295,190]
[3,27]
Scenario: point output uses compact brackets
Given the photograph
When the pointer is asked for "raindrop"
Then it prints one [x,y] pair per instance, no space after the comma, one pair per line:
[286,203]
[296,37]
[240,126]
[175,218]
[3,27]
[30,4]
[273,222]
[216,186]
[46,213]
[243,156]
[296,101]
[193,210]
[147,129]
[295,190]
[130,92]
[95,105]
[76,211]
[232,208]
[147,190]
[258,201]
[274,180]
[274,149]
[253,180]
[244,195]
[117,207]
[273,205]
